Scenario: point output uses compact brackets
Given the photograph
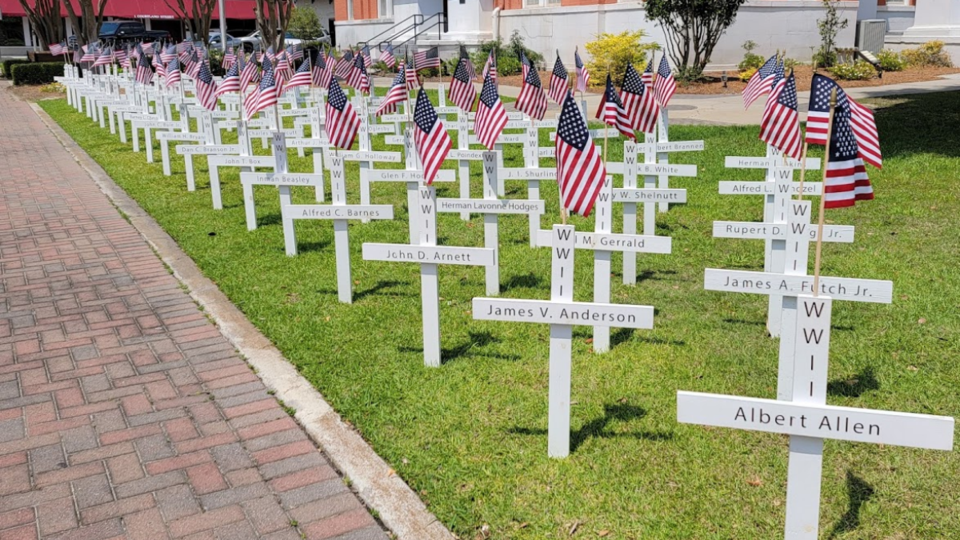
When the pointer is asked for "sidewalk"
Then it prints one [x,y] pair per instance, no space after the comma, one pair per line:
[728,110]
[124,412]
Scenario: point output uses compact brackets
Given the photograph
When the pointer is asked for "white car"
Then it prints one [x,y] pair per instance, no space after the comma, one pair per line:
[253,43]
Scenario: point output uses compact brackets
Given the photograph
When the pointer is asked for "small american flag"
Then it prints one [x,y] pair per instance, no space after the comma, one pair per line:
[89,54]
[122,57]
[430,136]
[320,72]
[365,54]
[282,69]
[462,93]
[647,76]
[344,64]
[490,68]
[665,85]
[301,78]
[862,121]
[413,80]
[193,66]
[524,64]
[231,81]
[387,57]
[168,54]
[358,76]
[396,94]
[583,74]
[173,72]
[780,125]
[491,116]
[57,49]
[642,109]
[267,92]
[144,71]
[105,58]
[206,88]
[159,67]
[846,179]
[580,171]
[465,59]
[761,82]
[558,82]
[427,59]
[229,59]
[342,122]
[248,73]
[532,100]
[295,52]
[612,113]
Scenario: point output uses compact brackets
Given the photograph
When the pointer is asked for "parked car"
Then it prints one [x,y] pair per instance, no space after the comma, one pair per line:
[253,43]
[215,42]
[115,32]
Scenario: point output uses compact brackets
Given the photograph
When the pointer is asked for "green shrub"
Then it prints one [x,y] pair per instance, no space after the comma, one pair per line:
[790,63]
[890,60]
[38,73]
[930,54]
[612,52]
[750,59]
[516,46]
[507,62]
[857,71]
[8,66]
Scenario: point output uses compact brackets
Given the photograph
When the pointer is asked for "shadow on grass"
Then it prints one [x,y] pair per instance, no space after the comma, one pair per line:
[269,219]
[597,428]
[747,322]
[859,492]
[376,288]
[654,275]
[854,386]
[467,349]
[525,281]
[307,247]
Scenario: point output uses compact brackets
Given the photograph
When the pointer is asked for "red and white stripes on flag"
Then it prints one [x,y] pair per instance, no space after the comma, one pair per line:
[430,136]
[846,179]
[664,86]
[302,77]
[865,130]
[491,116]
[761,82]
[206,87]
[387,57]
[490,68]
[342,122]
[462,93]
[558,82]
[638,101]
[396,94]
[532,100]
[780,125]
[231,81]
[862,121]
[583,74]
[611,111]
[580,170]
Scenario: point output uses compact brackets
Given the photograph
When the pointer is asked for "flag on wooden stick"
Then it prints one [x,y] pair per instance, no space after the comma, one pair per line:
[396,94]
[462,93]
[583,74]
[638,101]
[430,136]
[491,116]
[342,122]
[558,82]
[580,170]
[611,111]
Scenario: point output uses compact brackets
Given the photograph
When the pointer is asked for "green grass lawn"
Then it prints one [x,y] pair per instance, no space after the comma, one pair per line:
[470,437]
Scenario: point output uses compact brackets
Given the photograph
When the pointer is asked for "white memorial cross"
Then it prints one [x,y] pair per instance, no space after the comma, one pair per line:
[808,420]
[429,255]
[491,207]
[663,155]
[776,199]
[561,313]
[340,213]
[366,158]
[603,242]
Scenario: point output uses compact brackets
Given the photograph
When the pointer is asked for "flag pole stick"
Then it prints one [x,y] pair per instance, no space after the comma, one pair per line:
[823,195]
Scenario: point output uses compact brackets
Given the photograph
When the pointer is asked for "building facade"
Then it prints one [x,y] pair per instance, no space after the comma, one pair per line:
[564,25]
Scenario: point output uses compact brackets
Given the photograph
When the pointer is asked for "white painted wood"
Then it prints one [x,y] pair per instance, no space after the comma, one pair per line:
[626,243]
[746,187]
[248,180]
[739,162]
[663,137]
[856,290]
[630,156]
[810,420]
[603,224]
[491,206]
[463,165]
[491,226]
[561,290]
[750,230]
[649,195]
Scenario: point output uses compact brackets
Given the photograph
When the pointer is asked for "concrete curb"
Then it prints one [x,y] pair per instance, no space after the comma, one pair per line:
[375,482]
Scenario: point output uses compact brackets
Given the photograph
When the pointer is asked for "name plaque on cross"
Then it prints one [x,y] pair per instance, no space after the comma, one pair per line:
[562,313]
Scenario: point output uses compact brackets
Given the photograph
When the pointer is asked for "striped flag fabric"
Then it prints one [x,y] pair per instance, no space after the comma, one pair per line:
[89,54]
[159,67]
[247,73]
[846,179]
[358,76]
[206,88]
[365,54]
[173,72]
[531,100]
[430,136]
[231,81]
[427,59]
[105,58]
[465,59]
[144,73]
[321,72]
[862,121]
[490,68]
[282,69]
[396,94]
[761,82]
[462,93]
[780,125]
[77,56]
[267,92]
[558,82]
[612,113]
[344,65]
[229,59]
[386,56]
[121,57]
[342,122]
[638,102]
[413,80]
[583,74]
[295,52]
[664,86]
[56,49]
[647,76]
[580,170]
[524,64]
[168,54]
[302,77]
[491,115]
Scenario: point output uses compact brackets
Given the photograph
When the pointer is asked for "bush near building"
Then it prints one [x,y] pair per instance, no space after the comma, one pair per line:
[610,53]
[38,73]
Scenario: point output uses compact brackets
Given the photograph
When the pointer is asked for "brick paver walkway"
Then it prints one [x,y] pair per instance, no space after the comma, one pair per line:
[124,413]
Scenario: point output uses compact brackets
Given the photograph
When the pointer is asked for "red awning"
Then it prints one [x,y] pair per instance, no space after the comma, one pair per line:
[142,9]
